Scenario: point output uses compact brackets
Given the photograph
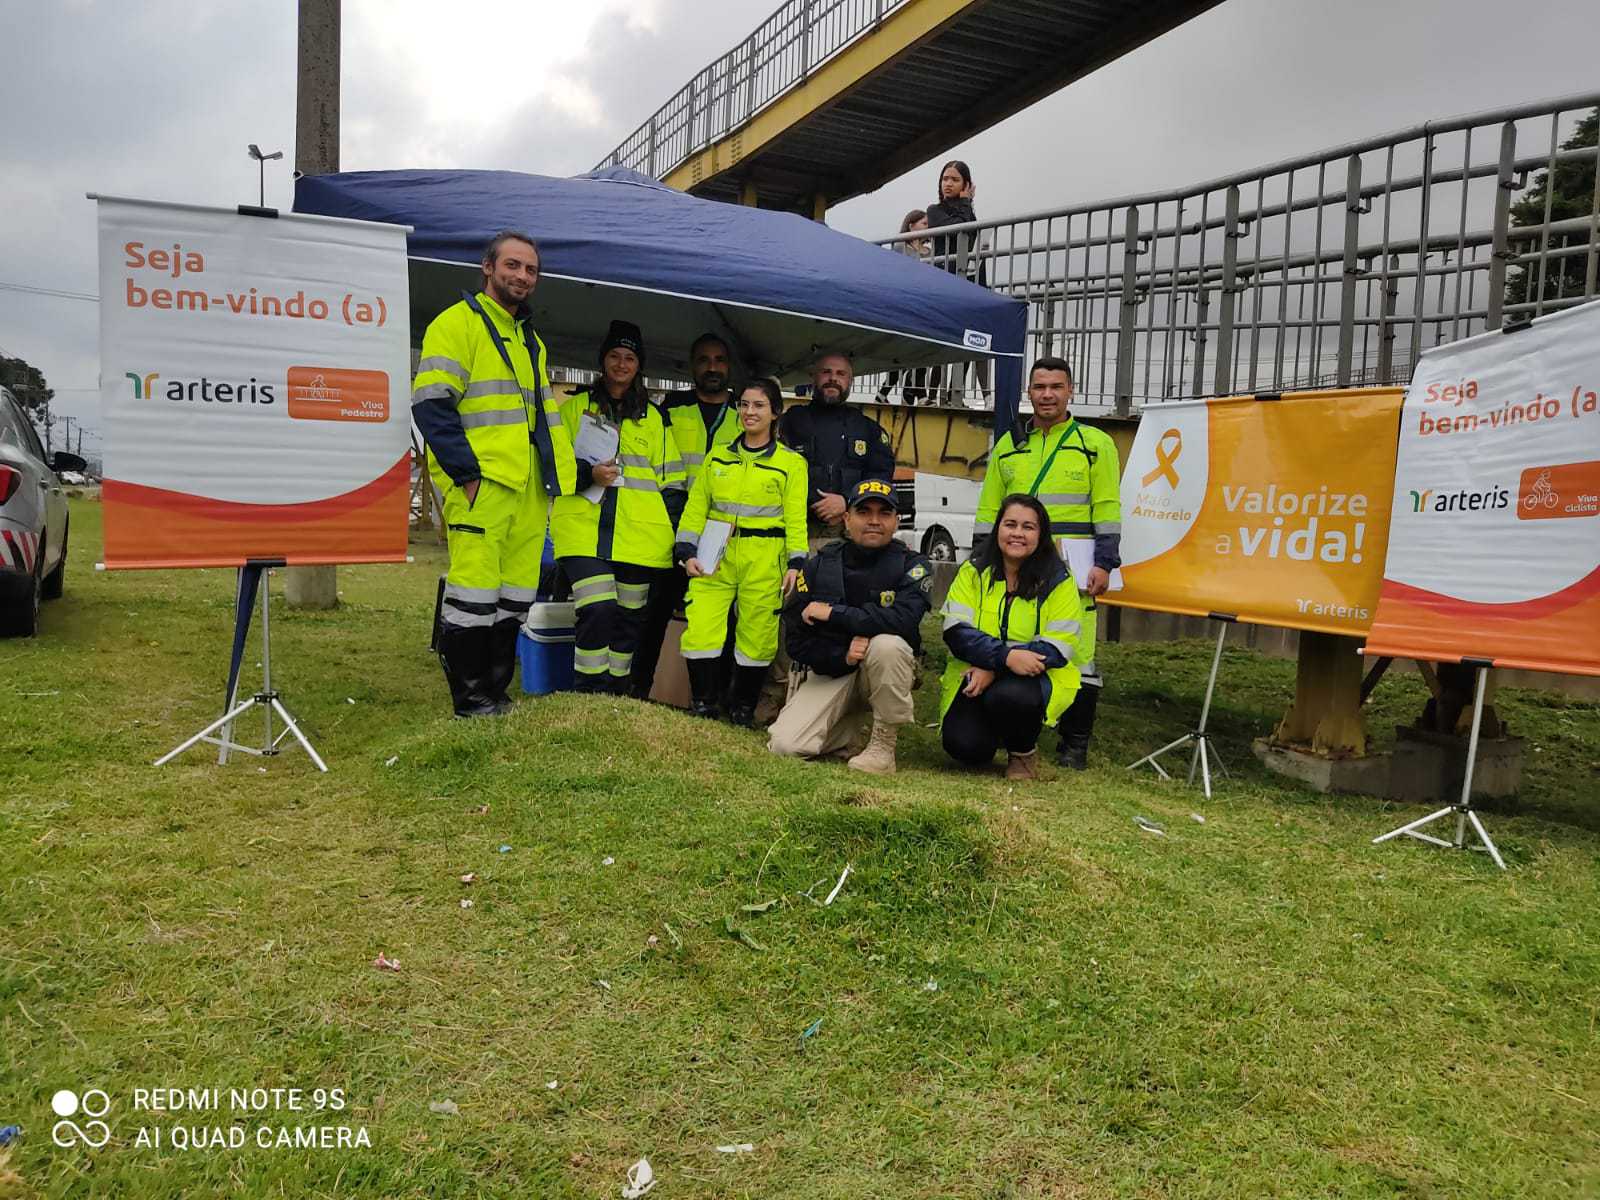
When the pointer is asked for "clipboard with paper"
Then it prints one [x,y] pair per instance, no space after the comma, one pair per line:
[712,545]
[596,442]
[1079,555]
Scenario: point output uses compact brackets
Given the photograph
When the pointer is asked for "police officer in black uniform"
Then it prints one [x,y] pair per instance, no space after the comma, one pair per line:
[854,626]
[841,445]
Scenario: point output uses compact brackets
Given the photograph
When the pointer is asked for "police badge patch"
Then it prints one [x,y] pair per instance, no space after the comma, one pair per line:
[861,445]
[886,599]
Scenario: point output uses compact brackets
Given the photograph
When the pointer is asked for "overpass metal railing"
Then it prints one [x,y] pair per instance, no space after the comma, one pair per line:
[1335,269]
[779,56]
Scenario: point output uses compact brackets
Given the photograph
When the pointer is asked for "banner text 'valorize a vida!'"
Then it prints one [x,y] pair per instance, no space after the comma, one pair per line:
[1274,510]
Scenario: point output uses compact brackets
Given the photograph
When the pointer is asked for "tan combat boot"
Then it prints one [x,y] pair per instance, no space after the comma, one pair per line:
[1023,766]
[878,757]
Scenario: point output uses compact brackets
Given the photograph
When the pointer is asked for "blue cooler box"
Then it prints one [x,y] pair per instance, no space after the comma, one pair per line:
[544,648]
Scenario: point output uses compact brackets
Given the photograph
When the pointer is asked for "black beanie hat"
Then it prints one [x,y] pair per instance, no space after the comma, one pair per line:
[623,335]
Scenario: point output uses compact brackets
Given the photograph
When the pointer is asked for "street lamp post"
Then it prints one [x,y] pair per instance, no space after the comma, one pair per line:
[263,159]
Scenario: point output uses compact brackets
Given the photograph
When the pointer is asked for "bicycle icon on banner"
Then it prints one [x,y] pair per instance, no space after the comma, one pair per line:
[93,1133]
[1541,494]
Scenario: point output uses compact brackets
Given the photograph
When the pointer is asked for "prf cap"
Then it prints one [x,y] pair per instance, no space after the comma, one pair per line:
[873,489]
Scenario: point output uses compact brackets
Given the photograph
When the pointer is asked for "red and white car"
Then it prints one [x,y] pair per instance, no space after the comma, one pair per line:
[33,521]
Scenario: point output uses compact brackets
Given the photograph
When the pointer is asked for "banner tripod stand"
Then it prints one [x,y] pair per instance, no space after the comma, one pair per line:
[1204,753]
[253,576]
[1463,807]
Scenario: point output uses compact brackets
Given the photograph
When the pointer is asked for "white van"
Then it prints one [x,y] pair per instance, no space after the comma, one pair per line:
[937,515]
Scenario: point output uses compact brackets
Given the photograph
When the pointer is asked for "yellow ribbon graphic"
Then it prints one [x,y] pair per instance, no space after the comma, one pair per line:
[1166,459]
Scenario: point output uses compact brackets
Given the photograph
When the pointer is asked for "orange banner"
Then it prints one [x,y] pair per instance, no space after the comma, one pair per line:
[1274,511]
[1494,551]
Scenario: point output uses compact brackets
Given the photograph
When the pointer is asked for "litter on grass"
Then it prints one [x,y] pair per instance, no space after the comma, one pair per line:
[9,1134]
[1197,818]
[652,940]
[843,875]
[505,850]
[604,984]
[466,904]
[445,1108]
[607,861]
[470,877]
[640,1180]
[1150,826]
[737,1148]
[481,811]
[391,760]
[552,1085]
[384,963]
[931,986]
[810,1031]
[349,699]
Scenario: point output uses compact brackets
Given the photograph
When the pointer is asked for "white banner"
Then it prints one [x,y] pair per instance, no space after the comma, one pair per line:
[255,385]
[1494,547]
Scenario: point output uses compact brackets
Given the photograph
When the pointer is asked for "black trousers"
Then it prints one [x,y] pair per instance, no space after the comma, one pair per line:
[1009,714]
[609,598]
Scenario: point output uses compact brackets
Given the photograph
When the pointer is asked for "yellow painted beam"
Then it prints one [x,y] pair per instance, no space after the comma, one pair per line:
[900,31]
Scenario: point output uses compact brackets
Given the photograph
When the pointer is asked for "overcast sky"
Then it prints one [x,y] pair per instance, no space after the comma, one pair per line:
[158,98]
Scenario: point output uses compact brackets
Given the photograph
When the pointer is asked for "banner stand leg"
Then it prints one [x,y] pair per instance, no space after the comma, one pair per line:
[267,699]
[1463,807]
[1204,754]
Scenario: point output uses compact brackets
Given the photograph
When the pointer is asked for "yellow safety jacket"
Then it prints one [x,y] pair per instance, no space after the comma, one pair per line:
[983,623]
[688,426]
[761,493]
[630,523]
[1073,472]
[483,401]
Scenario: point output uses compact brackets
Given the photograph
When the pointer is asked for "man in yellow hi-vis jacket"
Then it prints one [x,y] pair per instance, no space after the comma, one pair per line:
[498,452]
[1073,470]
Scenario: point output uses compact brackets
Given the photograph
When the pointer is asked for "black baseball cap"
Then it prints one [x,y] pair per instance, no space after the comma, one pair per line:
[873,489]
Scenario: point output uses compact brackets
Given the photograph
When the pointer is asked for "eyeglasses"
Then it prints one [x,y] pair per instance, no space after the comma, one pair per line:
[753,405]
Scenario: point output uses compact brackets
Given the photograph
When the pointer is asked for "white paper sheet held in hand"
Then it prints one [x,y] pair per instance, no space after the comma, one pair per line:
[596,442]
[1079,553]
[713,544]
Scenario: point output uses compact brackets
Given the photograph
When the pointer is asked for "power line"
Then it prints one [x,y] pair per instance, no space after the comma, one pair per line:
[29,289]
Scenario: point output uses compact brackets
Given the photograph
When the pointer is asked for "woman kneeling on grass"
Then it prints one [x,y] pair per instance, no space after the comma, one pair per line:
[1011,622]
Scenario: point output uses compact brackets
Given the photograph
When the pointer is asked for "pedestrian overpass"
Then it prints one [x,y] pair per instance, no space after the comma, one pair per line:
[828,99]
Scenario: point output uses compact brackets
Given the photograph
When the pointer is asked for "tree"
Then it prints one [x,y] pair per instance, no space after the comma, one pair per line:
[27,384]
[1570,188]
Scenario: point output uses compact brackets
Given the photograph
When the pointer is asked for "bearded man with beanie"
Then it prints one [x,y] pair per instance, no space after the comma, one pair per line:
[613,547]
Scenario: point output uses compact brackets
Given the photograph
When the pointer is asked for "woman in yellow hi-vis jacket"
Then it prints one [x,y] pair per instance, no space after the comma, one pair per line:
[756,488]
[612,547]
[1012,620]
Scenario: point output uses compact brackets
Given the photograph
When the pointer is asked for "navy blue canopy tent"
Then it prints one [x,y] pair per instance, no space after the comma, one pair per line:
[617,244]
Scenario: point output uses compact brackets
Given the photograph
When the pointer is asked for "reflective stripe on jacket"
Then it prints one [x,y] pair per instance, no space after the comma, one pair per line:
[630,523]
[983,623]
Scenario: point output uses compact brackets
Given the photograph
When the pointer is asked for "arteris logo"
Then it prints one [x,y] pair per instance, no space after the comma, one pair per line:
[203,390]
[1431,500]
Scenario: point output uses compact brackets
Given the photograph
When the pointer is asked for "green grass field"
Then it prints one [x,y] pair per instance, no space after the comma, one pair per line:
[1020,992]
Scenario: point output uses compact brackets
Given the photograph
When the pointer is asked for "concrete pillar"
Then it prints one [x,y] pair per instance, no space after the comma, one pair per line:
[316,152]
[819,207]
[747,193]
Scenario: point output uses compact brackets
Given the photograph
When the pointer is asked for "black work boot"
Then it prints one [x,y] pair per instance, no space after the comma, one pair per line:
[744,693]
[464,655]
[702,686]
[503,661]
[1074,728]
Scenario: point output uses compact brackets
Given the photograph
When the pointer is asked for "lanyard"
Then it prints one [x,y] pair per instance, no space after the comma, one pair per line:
[1050,460]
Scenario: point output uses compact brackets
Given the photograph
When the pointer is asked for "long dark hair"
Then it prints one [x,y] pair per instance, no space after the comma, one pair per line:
[1039,570]
[630,406]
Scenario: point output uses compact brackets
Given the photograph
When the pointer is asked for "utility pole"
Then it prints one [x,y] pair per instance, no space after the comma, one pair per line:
[316,152]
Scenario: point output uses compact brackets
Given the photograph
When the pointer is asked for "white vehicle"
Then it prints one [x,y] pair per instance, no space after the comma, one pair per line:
[938,520]
[33,521]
